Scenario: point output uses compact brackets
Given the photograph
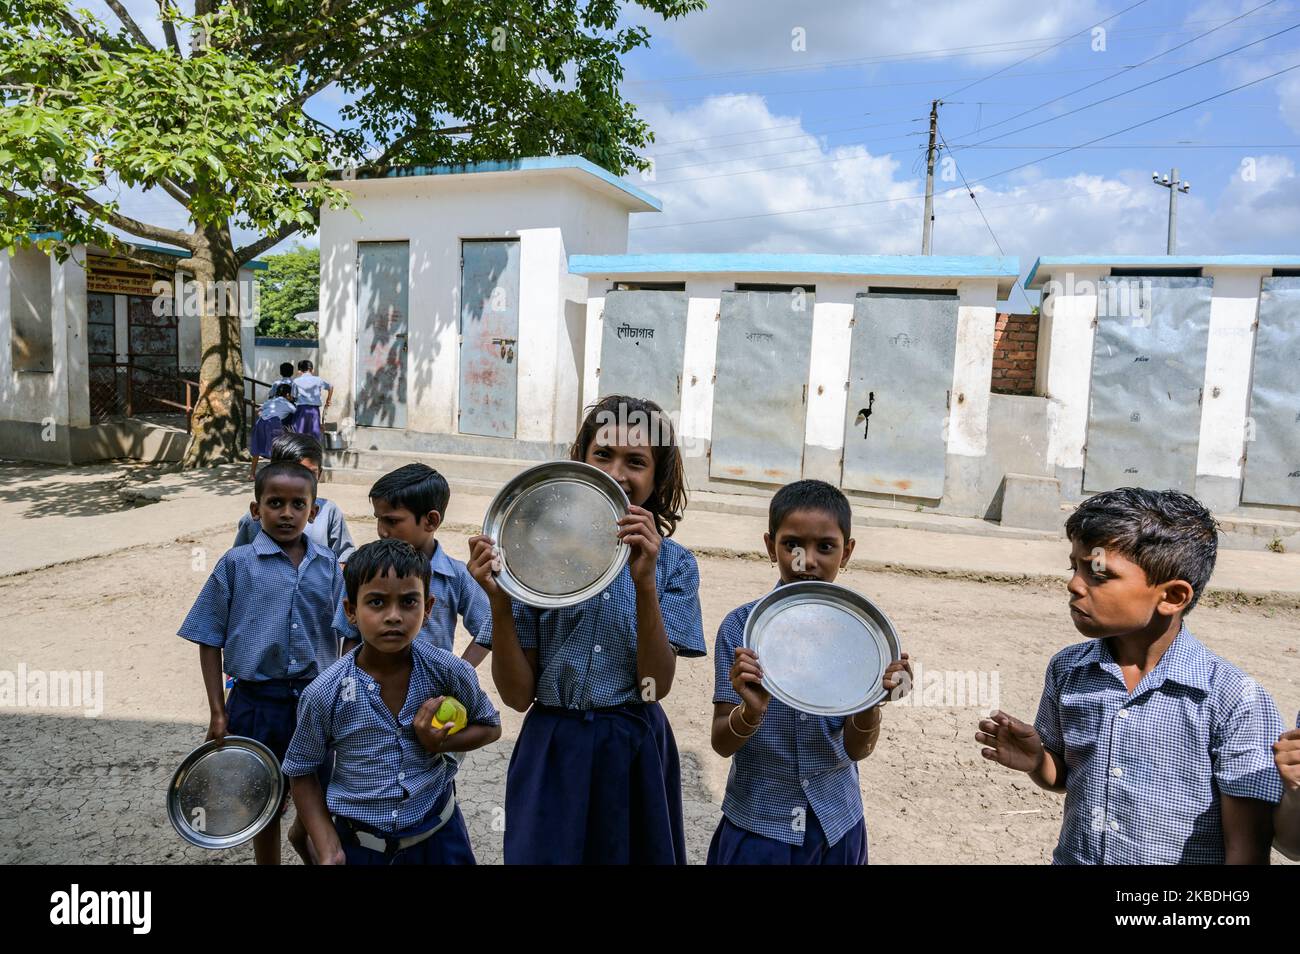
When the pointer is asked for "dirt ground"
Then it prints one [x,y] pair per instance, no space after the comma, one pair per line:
[91,790]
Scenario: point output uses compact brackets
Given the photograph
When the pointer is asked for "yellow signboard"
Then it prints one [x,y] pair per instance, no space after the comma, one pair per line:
[117,277]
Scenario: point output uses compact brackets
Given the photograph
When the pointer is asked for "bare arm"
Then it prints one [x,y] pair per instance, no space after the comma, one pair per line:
[1286,825]
[656,662]
[474,654]
[214,687]
[514,669]
[1247,830]
[862,732]
[309,800]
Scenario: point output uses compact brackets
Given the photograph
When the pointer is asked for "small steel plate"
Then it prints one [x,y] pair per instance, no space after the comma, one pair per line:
[823,648]
[556,529]
[224,794]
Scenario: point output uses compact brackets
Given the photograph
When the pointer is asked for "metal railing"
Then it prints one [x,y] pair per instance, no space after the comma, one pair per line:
[126,388]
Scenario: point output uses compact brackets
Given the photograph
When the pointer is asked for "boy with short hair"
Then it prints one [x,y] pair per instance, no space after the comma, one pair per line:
[409,505]
[1161,747]
[286,376]
[392,797]
[792,793]
[263,615]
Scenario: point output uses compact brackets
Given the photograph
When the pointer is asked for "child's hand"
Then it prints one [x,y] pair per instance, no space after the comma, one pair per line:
[484,563]
[332,856]
[1013,743]
[218,725]
[432,739]
[1286,753]
[637,529]
[894,682]
[747,679]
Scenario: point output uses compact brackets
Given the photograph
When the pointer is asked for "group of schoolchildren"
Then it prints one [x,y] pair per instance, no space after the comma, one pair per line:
[341,660]
[293,405]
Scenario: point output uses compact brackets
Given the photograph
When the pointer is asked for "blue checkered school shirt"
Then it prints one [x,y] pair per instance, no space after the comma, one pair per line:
[455,593]
[1144,771]
[307,389]
[329,529]
[586,654]
[270,620]
[794,762]
[382,776]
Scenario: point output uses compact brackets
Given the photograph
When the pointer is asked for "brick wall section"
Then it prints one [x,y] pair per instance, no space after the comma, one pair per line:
[1015,354]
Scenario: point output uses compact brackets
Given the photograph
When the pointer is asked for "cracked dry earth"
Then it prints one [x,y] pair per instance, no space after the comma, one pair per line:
[91,790]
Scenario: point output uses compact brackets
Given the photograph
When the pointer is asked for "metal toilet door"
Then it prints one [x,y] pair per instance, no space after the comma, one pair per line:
[760,398]
[489,329]
[383,285]
[900,387]
[1148,371]
[1273,425]
[643,346]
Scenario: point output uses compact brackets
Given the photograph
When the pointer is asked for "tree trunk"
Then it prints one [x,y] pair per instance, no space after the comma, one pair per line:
[217,425]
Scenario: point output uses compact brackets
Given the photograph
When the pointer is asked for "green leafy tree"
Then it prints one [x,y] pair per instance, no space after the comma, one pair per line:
[289,285]
[217,117]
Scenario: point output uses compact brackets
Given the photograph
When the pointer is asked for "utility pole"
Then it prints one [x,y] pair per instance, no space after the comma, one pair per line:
[1175,186]
[927,229]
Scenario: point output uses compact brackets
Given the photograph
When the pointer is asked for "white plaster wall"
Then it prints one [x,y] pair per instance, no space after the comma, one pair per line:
[594,323]
[1234,307]
[36,396]
[704,300]
[551,215]
[832,339]
[972,373]
[1066,375]
[68,294]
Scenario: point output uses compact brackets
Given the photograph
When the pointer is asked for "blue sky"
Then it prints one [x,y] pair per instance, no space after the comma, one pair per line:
[789,127]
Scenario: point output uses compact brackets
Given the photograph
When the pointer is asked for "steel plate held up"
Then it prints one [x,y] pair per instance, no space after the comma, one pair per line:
[1273,426]
[900,382]
[643,345]
[1148,371]
[760,397]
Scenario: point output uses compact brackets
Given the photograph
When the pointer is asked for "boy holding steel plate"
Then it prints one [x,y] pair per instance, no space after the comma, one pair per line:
[792,792]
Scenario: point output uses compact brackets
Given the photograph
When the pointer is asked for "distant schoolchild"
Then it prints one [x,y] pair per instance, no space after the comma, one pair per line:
[792,796]
[263,616]
[409,505]
[307,392]
[1161,748]
[270,424]
[594,777]
[1286,820]
[286,375]
[328,527]
[392,796]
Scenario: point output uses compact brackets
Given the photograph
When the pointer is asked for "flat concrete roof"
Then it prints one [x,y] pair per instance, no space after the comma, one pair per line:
[573,167]
[1046,266]
[1005,269]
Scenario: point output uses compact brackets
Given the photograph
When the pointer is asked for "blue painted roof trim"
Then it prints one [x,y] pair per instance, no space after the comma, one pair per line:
[256,264]
[922,266]
[531,164]
[1162,261]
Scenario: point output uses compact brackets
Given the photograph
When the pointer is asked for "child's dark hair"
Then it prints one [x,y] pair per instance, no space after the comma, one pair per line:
[414,487]
[295,447]
[810,495]
[281,390]
[378,558]
[282,468]
[1170,535]
[286,369]
[305,365]
[668,499]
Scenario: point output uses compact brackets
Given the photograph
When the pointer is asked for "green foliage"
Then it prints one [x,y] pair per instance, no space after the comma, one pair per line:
[289,285]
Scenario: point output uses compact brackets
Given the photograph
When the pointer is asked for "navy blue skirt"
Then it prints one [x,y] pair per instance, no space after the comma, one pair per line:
[268,712]
[306,420]
[597,786]
[264,432]
[733,845]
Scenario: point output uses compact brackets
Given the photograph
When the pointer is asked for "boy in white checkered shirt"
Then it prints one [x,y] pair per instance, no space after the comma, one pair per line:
[1162,748]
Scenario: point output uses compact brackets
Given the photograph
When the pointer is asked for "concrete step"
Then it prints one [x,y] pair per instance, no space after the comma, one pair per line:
[459,466]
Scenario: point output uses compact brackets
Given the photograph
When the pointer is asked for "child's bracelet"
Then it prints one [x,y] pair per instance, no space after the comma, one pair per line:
[872,728]
[741,710]
[739,735]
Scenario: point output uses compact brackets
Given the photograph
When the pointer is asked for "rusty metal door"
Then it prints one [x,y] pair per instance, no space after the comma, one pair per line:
[383,295]
[152,343]
[489,330]
[642,348]
[1273,427]
[760,398]
[1148,372]
[900,386]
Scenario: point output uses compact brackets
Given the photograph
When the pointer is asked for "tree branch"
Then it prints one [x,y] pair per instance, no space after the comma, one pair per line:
[174,190]
[155,233]
[410,134]
[129,23]
[169,28]
[249,252]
